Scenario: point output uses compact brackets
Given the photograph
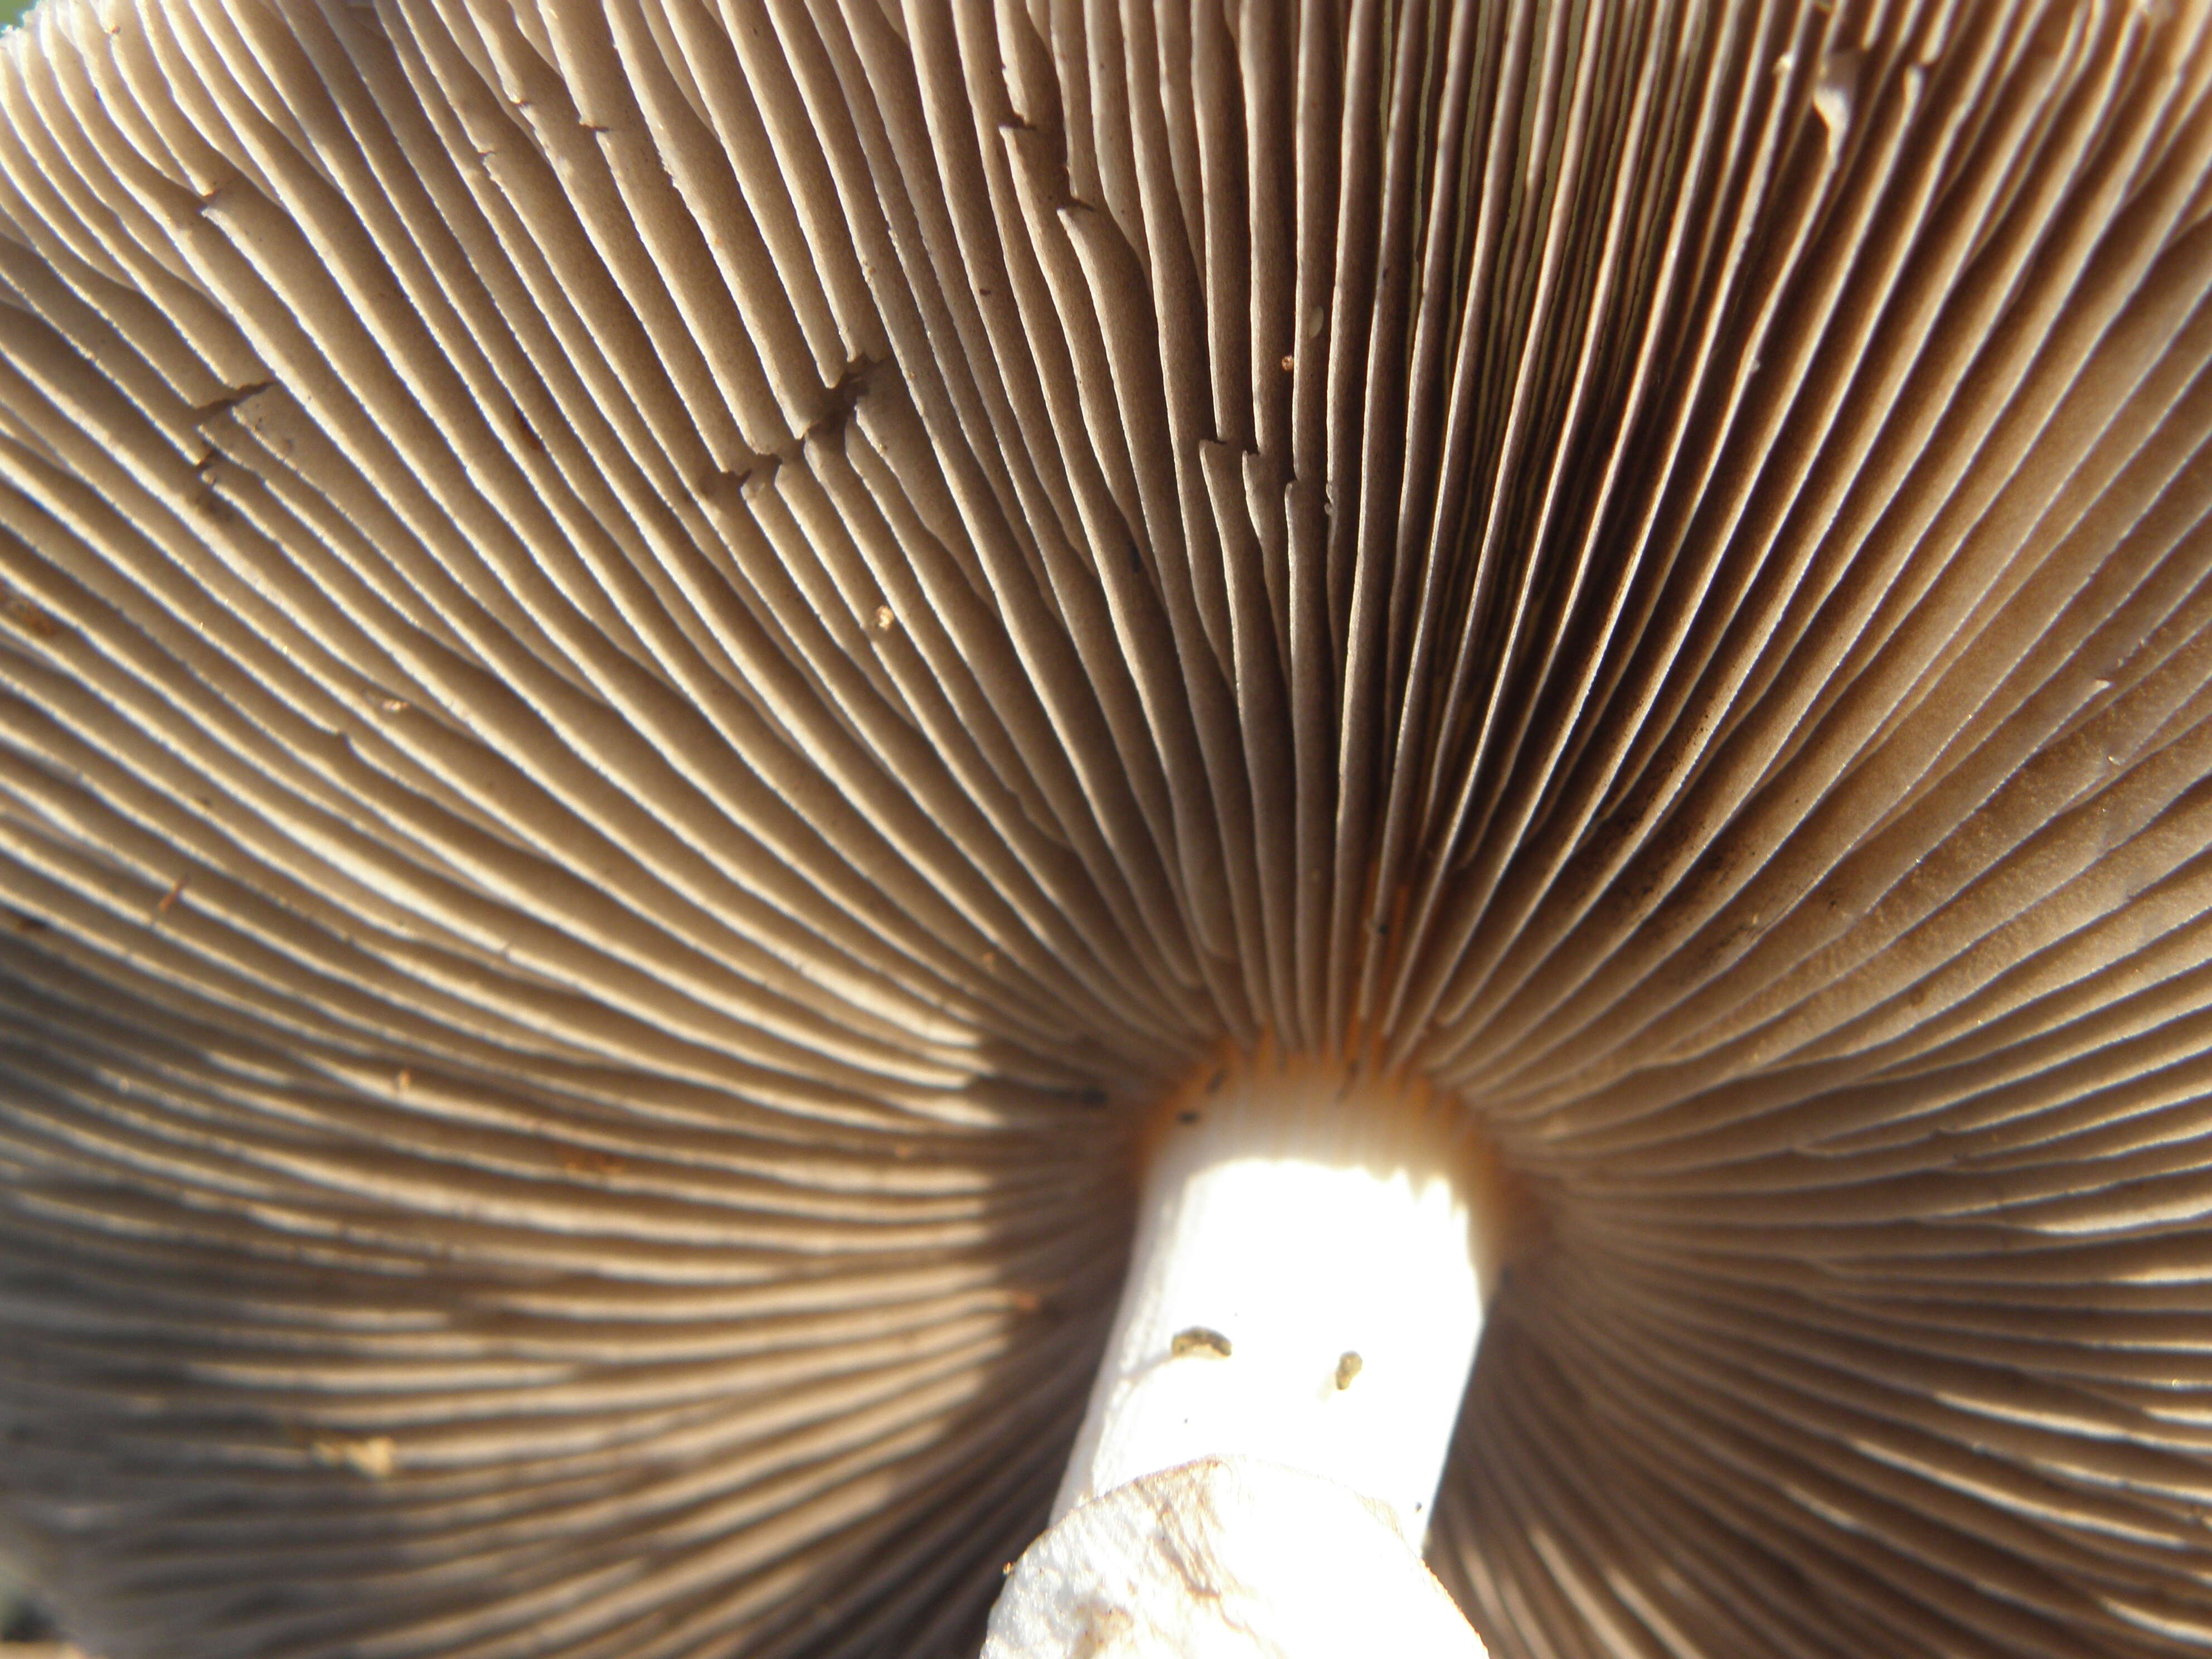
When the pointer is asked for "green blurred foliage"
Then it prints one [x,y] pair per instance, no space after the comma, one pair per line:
[10,10]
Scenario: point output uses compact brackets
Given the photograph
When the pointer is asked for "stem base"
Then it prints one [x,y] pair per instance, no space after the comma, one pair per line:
[1226,1559]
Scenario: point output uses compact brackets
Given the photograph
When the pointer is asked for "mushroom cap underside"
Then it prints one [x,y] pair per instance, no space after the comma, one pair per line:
[660,662]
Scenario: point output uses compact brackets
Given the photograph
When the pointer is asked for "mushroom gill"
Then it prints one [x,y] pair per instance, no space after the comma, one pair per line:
[662,661]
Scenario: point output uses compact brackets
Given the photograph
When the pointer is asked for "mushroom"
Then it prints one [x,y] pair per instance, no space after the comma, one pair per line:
[673,672]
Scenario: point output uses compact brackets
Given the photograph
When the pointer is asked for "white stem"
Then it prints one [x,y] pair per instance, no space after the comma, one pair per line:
[1226,1559]
[1306,1293]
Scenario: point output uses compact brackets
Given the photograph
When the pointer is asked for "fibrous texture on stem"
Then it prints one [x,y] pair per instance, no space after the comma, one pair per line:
[662,661]
[1230,1557]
